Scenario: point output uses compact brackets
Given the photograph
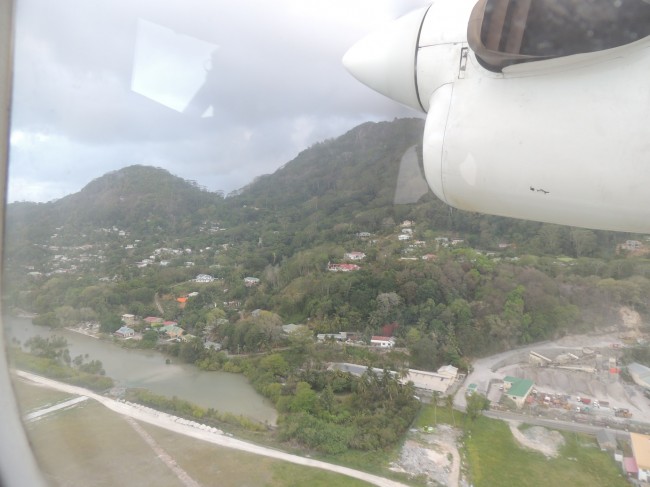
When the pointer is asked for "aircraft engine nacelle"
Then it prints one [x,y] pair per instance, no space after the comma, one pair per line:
[516,128]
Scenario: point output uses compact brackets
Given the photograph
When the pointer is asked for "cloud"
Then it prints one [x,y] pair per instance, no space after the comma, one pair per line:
[92,93]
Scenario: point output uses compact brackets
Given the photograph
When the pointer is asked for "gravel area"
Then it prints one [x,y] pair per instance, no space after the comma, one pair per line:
[538,438]
[432,455]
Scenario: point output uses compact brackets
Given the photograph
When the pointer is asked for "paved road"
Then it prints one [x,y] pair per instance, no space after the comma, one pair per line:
[201,432]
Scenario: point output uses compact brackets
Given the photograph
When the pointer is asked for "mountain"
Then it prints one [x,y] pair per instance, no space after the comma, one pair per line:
[348,182]
[135,199]
[94,249]
[348,178]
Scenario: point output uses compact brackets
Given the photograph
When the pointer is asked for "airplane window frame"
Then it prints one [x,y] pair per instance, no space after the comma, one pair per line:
[17,463]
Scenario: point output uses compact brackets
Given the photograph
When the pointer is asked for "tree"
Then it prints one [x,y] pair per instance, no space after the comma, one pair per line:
[387,308]
[476,404]
[191,350]
[584,241]
[304,400]
[275,364]
[449,402]
[436,395]
[110,323]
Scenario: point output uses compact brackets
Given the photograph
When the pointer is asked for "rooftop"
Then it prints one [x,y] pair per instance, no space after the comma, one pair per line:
[519,387]
[641,450]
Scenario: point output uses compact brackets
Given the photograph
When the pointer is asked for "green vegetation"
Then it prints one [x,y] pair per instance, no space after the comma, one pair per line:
[50,357]
[530,282]
[206,462]
[495,459]
[133,241]
[640,354]
[96,443]
[31,398]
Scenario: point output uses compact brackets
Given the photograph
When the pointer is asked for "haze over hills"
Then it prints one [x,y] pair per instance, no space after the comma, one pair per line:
[141,232]
[319,243]
[347,182]
[351,176]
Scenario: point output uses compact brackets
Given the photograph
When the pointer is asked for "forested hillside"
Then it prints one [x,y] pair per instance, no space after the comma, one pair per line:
[451,284]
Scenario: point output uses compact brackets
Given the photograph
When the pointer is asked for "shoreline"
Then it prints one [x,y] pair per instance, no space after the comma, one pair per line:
[200,431]
[82,332]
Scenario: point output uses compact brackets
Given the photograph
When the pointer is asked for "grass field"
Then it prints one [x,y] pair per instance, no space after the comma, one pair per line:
[493,458]
[213,465]
[430,416]
[92,446]
[496,460]
[31,398]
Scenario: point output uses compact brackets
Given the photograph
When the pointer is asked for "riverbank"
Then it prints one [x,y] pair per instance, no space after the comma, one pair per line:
[201,432]
[147,369]
[88,329]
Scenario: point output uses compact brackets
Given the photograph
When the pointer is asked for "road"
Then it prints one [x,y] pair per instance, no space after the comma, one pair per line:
[201,432]
[554,423]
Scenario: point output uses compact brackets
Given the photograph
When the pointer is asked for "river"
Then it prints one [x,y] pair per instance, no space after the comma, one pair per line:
[144,368]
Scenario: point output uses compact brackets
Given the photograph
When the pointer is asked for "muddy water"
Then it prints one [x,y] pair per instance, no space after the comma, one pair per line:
[140,368]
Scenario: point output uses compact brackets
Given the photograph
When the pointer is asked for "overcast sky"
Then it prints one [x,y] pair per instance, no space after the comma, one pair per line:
[216,91]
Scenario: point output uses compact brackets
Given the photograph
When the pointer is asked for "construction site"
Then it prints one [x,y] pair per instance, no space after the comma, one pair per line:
[576,378]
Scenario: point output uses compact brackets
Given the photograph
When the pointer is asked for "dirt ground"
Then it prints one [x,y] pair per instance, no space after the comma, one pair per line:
[538,438]
[600,384]
[433,455]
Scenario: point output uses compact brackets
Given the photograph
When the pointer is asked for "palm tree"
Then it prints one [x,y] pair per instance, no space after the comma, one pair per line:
[403,372]
[449,402]
[436,395]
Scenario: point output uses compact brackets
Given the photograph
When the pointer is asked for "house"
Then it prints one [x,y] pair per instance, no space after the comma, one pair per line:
[251,281]
[203,278]
[128,319]
[153,320]
[631,245]
[641,453]
[125,332]
[342,267]
[340,336]
[630,467]
[172,331]
[292,328]
[402,237]
[382,342]
[517,389]
[433,381]
[216,346]
[354,256]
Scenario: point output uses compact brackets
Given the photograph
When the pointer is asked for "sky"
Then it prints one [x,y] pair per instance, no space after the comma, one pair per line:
[215,91]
